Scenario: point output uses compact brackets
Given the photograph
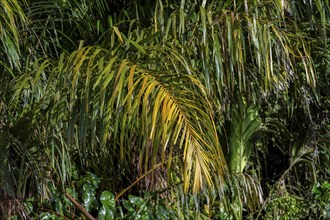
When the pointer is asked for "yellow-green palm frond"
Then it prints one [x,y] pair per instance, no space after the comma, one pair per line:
[12,22]
[180,118]
[129,111]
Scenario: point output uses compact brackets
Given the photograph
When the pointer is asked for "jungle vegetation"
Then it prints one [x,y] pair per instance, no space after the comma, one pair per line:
[164,109]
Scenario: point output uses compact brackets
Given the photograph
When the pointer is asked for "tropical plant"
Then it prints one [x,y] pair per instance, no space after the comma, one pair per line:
[218,101]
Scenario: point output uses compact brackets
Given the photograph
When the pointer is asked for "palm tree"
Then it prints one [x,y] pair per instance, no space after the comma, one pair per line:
[186,96]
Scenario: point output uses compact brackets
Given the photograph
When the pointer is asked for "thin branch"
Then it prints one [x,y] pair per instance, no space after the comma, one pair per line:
[79,206]
[141,177]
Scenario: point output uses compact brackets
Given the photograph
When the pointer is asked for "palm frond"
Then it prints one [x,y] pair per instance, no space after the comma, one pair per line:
[114,101]
[12,21]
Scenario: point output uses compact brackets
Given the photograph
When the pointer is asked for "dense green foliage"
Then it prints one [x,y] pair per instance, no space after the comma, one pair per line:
[164,109]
